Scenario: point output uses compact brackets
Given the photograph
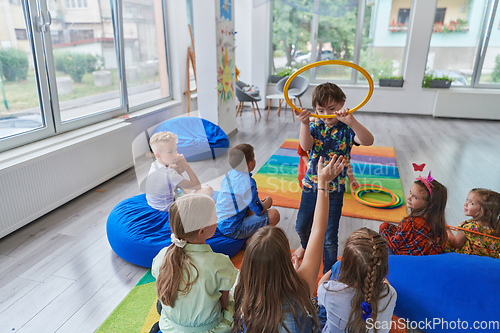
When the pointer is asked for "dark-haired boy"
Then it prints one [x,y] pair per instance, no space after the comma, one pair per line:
[240,212]
[326,137]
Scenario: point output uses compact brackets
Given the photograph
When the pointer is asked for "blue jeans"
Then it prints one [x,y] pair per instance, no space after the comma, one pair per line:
[305,218]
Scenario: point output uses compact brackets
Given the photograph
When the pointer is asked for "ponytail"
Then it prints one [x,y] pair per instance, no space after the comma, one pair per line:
[177,273]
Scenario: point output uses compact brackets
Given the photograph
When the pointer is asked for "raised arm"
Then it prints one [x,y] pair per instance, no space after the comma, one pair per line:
[363,135]
[305,138]
[314,251]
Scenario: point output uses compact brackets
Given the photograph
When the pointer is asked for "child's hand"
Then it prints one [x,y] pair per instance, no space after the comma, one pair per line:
[353,182]
[304,116]
[332,170]
[180,161]
[267,202]
[344,116]
[295,263]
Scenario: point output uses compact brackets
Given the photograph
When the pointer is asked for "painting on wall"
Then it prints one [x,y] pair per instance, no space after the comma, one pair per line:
[225,56]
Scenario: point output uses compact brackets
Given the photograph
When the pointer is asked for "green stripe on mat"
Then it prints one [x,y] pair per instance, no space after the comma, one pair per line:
[129,316]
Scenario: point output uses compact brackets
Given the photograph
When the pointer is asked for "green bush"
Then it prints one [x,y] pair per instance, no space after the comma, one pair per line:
[428,77]
[14,64]
[495,75]
[75,64]
[286,72]
[90,63]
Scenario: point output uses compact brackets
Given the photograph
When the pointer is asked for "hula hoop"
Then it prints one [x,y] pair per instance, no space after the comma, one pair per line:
[329,62]
[359,191]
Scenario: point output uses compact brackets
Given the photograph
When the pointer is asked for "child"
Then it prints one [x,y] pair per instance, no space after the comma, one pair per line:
[273,293]
[422,232]
[359,295]
[192,282]
[239,210]
[483,206]
[164,174]
[326,137]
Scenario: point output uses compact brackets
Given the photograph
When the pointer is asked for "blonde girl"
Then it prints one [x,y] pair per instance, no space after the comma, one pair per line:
[359,297]
[192,282]
[274,294]
[483,206]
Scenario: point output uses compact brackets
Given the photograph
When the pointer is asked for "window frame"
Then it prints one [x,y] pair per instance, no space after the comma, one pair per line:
[42,55]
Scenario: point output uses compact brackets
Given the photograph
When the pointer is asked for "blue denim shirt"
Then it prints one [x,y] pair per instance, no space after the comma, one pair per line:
[237,194]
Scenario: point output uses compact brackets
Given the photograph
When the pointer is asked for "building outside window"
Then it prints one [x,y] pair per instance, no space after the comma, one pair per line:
[93,75]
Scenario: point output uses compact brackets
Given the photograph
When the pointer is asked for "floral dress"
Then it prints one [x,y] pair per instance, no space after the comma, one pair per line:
[477,244]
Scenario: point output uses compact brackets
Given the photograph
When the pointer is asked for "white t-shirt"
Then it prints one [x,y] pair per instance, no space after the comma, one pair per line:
[336,298]
[160,186]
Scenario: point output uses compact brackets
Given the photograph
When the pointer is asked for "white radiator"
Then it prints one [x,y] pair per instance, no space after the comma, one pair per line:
[43,180]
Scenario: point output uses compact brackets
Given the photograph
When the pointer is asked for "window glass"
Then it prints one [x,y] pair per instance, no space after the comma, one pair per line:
[291,36]
[455,38]
[20,110]
[85,59]
[384,36]
[145,53]
[490,73]
[336,37]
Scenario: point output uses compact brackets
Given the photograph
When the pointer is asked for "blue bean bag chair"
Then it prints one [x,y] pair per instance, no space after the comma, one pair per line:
[446,288]
[199,139]
[137,232]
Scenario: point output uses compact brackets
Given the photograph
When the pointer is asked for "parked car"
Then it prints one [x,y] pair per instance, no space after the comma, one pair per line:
[458,79]
[306,58]
[10,125]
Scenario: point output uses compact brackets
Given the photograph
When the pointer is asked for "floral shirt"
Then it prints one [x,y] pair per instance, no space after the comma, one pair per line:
[477,244]
[329,141]
[411,237]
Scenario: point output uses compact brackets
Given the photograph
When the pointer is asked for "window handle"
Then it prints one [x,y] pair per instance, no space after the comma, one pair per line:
[41,24]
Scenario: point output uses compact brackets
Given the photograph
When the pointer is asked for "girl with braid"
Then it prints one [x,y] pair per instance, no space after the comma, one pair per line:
[192,282]
[358,298]
[274,292]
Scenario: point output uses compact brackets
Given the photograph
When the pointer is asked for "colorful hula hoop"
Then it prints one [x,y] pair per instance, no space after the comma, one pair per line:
[329,62]
[358,192]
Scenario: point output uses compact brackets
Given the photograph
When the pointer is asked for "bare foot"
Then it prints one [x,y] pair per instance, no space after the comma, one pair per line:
[299,253]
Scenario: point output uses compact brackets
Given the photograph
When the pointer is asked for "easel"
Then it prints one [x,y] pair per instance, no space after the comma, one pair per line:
[190,58]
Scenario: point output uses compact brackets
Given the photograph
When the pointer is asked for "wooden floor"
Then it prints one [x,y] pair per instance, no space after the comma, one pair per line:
[59,274]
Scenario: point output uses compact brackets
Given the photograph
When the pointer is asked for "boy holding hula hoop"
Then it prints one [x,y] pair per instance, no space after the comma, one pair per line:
[326,137]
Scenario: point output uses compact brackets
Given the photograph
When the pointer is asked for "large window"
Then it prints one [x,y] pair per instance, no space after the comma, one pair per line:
[465,43]
[371,33]
[73,68]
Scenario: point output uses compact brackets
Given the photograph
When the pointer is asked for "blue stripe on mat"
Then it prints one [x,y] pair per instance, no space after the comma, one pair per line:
[376,170]
[286,152]
[287,160]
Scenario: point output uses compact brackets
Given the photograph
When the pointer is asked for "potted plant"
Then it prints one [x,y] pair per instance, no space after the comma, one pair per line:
[390,81]
[276,77]
[431,81]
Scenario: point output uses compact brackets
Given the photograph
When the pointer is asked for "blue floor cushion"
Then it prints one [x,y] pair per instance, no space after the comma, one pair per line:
[199,139]
[137,232]
[446,288]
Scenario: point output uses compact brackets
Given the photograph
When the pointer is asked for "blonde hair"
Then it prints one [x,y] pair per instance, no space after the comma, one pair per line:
[490,208]
[175,275]
[161,137]
[365,264]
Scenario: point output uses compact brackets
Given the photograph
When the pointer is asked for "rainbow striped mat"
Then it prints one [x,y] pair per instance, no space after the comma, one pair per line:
[371,165]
